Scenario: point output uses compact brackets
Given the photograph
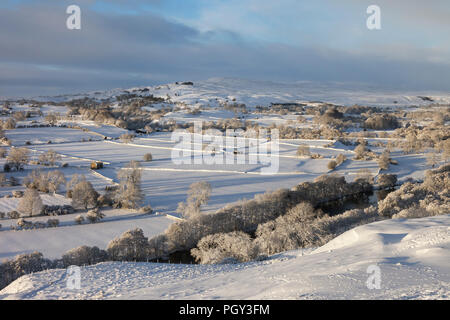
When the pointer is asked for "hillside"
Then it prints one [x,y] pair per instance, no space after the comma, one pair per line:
[413,257]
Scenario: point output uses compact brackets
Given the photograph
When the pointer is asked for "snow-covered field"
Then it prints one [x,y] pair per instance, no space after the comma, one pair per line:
[413,257]
[54,242]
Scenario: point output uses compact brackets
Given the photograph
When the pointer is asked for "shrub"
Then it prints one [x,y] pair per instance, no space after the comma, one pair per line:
[130,246]
[146,209]
[387,180]
[79,219]
[148,157]
[360,151]
[22,223]
[340,159]
[52,223]
[384,160]
[412,213]
[13,215]
[303,151]
[105,201]
[83,256]
[126,137]
[94,215]
[332,165]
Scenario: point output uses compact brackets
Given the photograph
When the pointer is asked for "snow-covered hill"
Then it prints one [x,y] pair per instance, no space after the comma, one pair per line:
[413,257]
[252,92]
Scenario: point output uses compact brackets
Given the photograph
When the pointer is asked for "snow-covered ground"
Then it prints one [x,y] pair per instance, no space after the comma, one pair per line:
[54,242]
[213,91]
[413,257]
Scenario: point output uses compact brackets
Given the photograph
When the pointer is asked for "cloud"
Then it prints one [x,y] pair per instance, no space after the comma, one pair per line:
[40,56]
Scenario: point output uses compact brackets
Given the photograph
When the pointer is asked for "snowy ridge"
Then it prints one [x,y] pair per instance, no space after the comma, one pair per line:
[413,257]
[213,91]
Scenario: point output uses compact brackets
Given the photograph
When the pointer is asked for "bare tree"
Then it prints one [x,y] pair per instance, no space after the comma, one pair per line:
[198,194]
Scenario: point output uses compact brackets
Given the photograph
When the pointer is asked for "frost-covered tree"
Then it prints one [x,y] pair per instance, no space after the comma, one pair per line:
[360,151]
[431,195]
[18,158]
[129,193]
[158,246]
[198,194]
[84,195]
[31,203]
[21,265]
[45,181]
[384,160]
[49,158]
[55,180]
[303,151]
[83,256]
[130,246]
[230,247]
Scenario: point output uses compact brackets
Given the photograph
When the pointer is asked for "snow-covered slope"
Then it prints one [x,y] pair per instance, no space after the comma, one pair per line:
[255,92]
[413,257]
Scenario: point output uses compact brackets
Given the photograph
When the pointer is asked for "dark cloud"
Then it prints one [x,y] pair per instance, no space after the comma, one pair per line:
[40,56]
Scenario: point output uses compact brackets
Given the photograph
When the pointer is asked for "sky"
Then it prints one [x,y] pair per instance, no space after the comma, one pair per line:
[127,43]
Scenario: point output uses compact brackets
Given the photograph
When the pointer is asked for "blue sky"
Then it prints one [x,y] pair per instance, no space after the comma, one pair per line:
[129,42]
